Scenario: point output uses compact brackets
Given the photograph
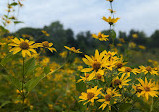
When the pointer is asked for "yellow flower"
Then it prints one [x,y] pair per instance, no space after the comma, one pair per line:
[2,44]
[25,46]
[111,11]
[8,21]
[45,33]
[80,68]
[110,0]
[132,45]
[45,61]
[111,55]
[137,89]
[126,70]
[120,82]
[90,95]
[50,106]
[100,75]
[31,107]
[21,5]
[73,49]
[119,45]
[87,77]
[134,35]
[148,69]
[63,54]
[46,45]
[137,71]
[142,47]
[110,20]
[96,62]
[110,64]
[122,40]
[111,93]
[148,89]
[119,64]
[101,36]
[77,60]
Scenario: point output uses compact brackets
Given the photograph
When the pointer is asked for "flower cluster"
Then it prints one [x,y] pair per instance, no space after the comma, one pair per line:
[108,72]
[26,46]
[108,79]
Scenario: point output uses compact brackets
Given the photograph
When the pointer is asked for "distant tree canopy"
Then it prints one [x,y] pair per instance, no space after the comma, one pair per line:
[83,40]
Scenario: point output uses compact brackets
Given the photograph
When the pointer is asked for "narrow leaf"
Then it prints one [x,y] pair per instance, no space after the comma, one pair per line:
[29,66]
[6,59]
[30,85]
[113,34]
[13,81]
[125,107]
[81,86]
[14,4]
[16,22]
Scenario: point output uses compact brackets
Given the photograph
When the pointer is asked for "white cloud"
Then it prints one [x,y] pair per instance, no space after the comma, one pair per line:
[82,15]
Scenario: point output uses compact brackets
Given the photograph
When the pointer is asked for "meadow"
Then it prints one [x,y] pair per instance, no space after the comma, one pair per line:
[102,72]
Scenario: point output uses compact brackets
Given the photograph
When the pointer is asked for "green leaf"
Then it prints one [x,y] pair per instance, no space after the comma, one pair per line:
[125,107]
[4,103]
[112,34]
[29,66]
[81,86]
[30,85]
[6,59]
[13,81]
[16,22]
[112,101]
[58,108]
[6,16]
[46,69]
[14,4]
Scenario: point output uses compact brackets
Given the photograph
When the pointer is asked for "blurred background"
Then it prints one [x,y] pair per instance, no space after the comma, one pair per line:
[71,23]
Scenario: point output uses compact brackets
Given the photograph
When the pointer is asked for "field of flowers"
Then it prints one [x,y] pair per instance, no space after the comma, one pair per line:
[109,80]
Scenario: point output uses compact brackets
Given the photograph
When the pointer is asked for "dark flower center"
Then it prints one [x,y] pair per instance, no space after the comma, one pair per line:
[100,36]
[108,97]
[96,66]
[99,76]
[90,95]
[24,45]
[87,75]
[148,68]
[147,88]
[117,82]
[119,65]
[111,23]
[128,69]
[45,44]
[138,89]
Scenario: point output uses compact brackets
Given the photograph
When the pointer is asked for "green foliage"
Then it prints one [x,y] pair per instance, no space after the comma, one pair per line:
[4,103]
[14,4]
[31,84]
[81,86]
[125,107]
[112,34]
[6,59]
[17,22]
[29,66]
[3,31]
[14,81]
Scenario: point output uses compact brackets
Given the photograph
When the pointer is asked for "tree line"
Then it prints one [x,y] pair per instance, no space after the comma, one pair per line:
[83,40]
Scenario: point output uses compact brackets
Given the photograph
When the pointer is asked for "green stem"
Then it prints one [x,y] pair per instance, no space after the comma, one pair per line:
[151,108]
[23,82]
[111,8]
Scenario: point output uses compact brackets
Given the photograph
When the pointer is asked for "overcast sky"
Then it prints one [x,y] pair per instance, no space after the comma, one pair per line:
[83,15]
